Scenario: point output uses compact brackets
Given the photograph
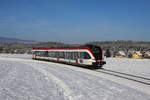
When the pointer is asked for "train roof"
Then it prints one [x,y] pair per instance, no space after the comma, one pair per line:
[61,48]
[87,47]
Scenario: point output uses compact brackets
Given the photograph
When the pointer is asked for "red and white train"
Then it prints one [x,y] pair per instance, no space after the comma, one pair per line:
[88,55]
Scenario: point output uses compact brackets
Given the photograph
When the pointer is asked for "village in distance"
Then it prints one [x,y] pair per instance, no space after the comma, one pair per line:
[117,49]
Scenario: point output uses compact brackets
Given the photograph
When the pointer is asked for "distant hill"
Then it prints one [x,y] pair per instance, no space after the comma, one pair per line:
[14,40]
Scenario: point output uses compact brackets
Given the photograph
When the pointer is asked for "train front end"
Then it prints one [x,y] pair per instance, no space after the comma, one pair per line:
[98,55]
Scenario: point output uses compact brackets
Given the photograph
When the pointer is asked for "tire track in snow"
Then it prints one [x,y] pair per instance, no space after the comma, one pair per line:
[67,91]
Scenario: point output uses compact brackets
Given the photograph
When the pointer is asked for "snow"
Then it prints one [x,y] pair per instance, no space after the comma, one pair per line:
[23,56]
[139,67]
[22,82]
[27,79]
[122,53]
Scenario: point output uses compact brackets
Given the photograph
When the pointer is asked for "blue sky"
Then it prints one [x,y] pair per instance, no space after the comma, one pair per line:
[75,21]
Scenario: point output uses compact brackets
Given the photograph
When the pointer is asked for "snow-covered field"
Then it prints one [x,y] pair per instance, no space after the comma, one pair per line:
[22,56]
[140,67]
[27,79]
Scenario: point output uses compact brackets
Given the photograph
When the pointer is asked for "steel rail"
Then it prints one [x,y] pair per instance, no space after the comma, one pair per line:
[128,77]
[127,74]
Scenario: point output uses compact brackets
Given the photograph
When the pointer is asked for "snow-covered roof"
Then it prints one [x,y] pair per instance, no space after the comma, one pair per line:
[122,53]
[147,53]
[138,52]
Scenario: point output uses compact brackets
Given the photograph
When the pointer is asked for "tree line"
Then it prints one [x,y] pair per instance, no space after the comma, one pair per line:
[113,46]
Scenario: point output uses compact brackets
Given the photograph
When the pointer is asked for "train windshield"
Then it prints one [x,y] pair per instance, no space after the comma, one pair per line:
[97,51]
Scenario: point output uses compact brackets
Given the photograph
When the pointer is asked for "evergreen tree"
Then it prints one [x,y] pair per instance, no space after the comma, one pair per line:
[107,53]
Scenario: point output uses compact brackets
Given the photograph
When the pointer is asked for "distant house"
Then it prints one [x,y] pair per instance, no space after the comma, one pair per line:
[120,54]
[147,55]
[136,55]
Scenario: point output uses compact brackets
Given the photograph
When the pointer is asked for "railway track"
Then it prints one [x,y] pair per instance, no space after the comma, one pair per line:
[131,77]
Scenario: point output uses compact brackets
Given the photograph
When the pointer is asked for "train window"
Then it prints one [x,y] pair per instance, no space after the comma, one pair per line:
[61,55]
[75,55]
[45,53]
[52,54]
[66,55]
[72,55]
[84,55]
[69,55]
[81,55]
[56,54]
[40,53]
[49,53]
[36,53]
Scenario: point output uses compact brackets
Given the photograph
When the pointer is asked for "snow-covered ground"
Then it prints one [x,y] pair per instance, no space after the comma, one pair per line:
[140,67]
[27,79]
[23,56]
